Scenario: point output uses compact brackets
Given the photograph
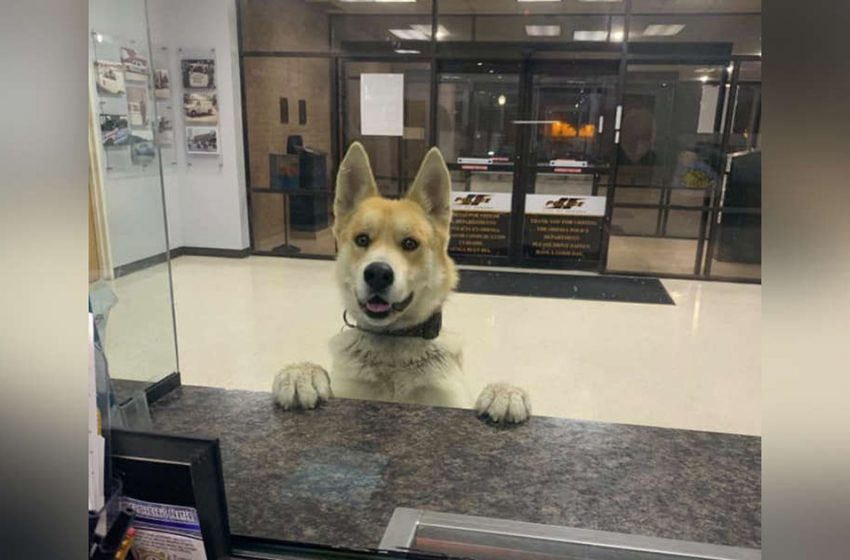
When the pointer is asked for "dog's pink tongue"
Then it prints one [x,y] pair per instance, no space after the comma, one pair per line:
[377,306]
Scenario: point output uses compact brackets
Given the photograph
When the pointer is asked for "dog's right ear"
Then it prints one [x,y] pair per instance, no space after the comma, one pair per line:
[354,182]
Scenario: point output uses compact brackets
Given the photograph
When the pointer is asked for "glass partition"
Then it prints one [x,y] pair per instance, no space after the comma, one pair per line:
[132,162]
[596,181]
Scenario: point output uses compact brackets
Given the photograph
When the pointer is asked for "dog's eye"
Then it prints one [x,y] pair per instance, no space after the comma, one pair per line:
[409,244]
[362,240]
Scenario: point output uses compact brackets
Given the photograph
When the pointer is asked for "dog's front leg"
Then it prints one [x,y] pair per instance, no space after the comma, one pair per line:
[502,402]
[301,385]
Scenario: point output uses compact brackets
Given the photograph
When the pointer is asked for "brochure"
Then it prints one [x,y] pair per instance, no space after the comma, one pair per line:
[165,532]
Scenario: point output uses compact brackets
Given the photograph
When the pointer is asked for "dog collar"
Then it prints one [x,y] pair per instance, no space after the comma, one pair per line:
[428,330]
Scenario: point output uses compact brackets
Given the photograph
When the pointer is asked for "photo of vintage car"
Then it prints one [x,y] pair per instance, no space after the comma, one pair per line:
[200,108]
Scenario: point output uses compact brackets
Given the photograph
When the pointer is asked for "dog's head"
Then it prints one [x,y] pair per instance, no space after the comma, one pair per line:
[393,265]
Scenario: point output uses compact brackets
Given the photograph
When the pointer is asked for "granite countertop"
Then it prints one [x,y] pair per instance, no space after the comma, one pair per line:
[334,475]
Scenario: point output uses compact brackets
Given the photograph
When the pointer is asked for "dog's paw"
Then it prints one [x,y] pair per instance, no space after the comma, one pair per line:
[501,402]
[302,385]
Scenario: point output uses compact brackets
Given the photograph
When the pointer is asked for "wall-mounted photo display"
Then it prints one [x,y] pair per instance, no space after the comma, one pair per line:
[165,130]
[135,65]
[200,108]
[201,140]
[198,73]
[142,150]
[114,130]
[137,105]
[110,77]
[161,85]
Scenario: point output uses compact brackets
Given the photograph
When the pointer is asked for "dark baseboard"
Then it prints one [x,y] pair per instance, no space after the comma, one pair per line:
[125,389]
[159,258]
[211,252]
[157,390]
[141,264]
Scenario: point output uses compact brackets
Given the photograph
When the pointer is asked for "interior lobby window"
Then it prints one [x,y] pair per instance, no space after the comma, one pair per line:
[735,245]
[288,110]
[287,102]
[669,166]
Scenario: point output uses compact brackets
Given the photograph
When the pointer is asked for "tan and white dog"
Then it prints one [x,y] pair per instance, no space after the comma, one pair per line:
[394,273]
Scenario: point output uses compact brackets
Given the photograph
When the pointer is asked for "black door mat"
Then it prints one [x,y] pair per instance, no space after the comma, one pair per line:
[623,289]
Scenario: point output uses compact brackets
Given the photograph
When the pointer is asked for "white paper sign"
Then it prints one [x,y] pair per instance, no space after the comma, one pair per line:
[382,104]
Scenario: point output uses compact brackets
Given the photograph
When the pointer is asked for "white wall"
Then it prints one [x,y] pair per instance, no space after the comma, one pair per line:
[213,211]
[206,203]
[133,202]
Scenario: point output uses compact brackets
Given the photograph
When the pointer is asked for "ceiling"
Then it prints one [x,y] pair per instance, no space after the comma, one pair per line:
[516,7]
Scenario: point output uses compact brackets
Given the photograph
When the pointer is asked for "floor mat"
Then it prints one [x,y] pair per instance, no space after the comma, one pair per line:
[624,289]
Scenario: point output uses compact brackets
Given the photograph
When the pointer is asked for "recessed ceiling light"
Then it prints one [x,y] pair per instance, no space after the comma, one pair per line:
[380,1]
[600,0]
[590,35]
[407,51]
[703,79]
[617,36]
[538,0]
[409,34]
[426,29]
[543,30]
[502,100]
[659,30]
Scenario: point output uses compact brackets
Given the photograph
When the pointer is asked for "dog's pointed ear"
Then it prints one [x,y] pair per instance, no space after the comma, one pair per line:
[354,182]
[432,188]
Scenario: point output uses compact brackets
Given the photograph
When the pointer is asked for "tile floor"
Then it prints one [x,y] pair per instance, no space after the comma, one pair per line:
[695,365]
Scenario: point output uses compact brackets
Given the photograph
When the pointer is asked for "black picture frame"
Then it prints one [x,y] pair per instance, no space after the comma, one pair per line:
[178,470]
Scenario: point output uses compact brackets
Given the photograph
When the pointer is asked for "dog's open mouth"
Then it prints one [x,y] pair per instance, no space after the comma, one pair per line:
[377,307]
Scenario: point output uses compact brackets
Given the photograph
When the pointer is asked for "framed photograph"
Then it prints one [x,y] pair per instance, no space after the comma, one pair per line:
[142,150]
[135,65]
[110,77]
[137,105]
[202,139]
[114,130]
[200,108]
[161,85]
[175,473]
[198,73]
[165,130]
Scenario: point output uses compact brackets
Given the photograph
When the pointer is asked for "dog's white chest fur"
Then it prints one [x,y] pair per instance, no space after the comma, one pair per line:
[396,368]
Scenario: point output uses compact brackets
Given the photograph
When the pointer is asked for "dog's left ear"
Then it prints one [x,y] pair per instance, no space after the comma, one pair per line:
[432,188]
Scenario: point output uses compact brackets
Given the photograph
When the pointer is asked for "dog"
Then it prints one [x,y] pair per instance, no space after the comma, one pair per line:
[394,274]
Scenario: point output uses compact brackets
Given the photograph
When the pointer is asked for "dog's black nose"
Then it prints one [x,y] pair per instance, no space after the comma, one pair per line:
[378,275]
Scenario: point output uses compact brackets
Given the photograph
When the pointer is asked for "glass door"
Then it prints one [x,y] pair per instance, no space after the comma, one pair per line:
[570,127]
[478,105]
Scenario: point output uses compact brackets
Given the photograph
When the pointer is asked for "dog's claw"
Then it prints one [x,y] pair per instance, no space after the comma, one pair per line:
[302,385]
[501,402]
